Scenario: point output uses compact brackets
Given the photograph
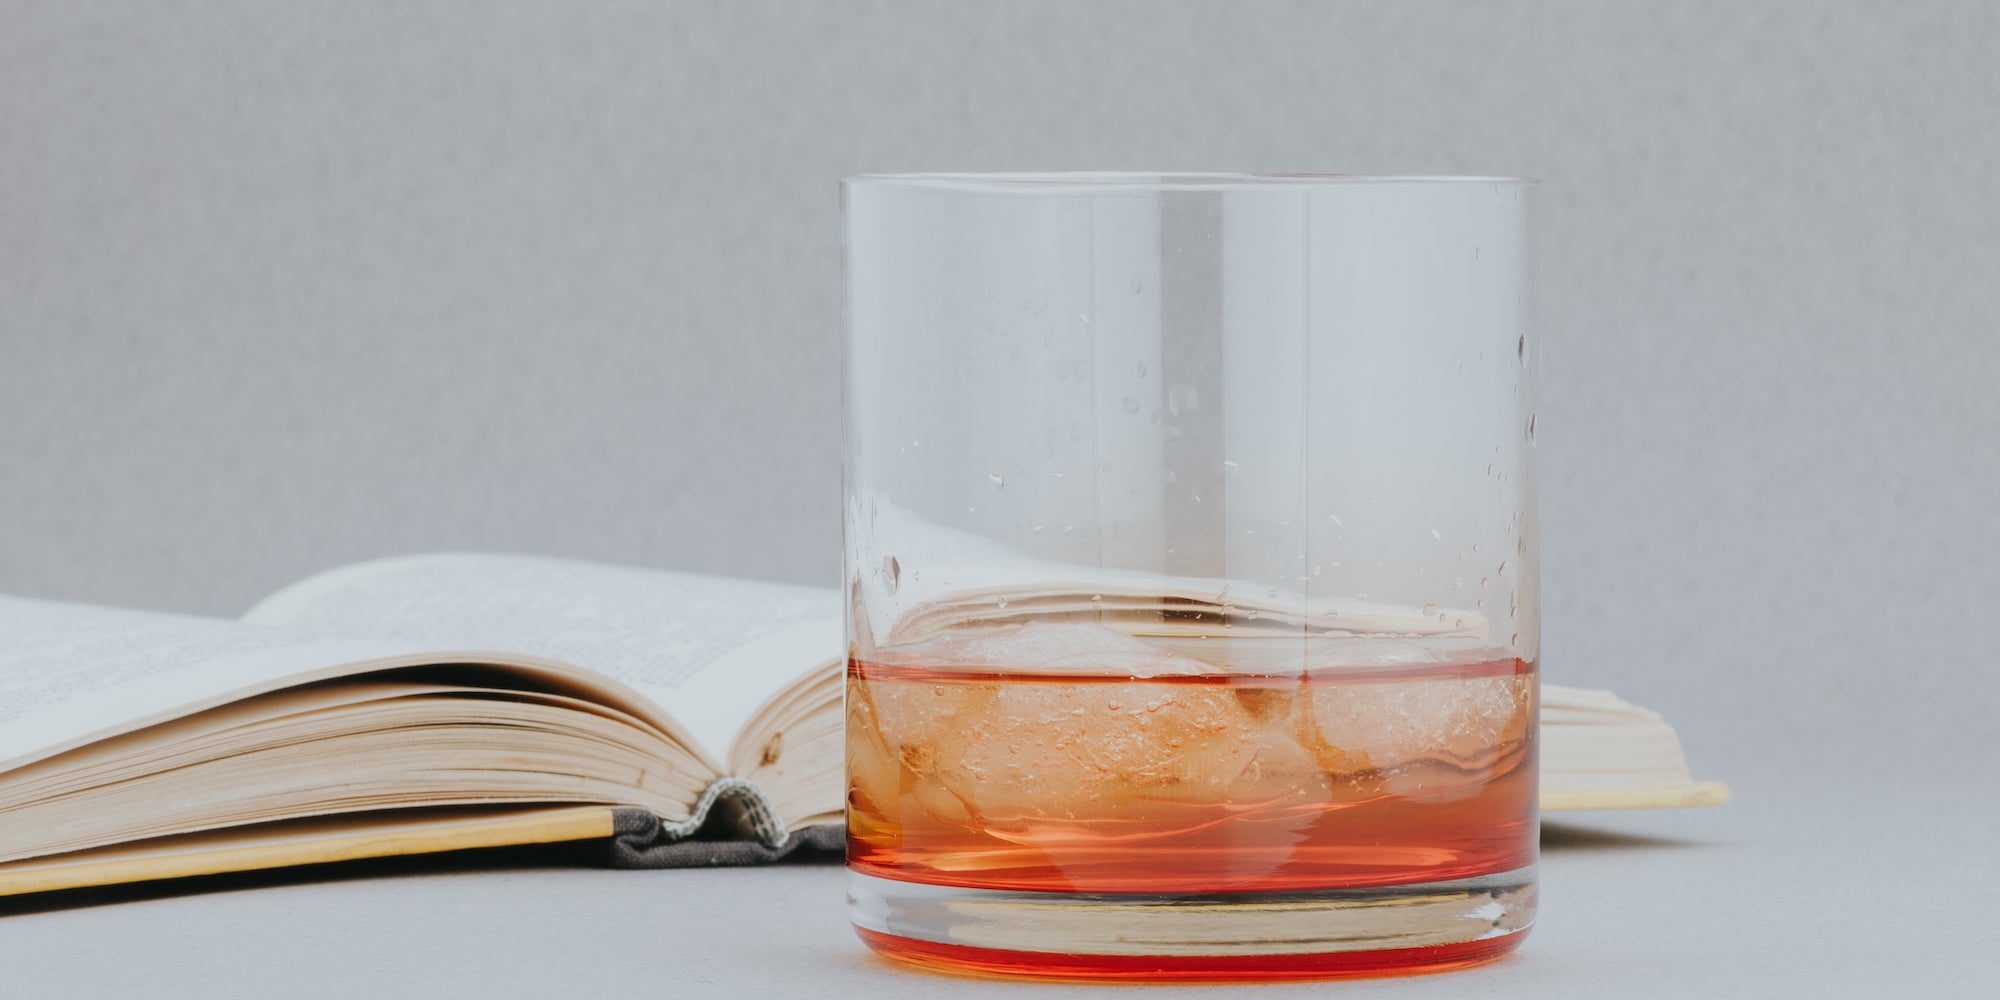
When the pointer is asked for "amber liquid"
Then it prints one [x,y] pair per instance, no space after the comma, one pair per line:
[1191,784]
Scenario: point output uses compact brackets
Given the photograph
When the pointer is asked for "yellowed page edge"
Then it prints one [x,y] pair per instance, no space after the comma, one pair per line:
[1700,793]
[392,838]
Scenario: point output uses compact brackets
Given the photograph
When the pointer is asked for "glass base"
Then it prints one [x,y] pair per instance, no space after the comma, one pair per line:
[1380,931]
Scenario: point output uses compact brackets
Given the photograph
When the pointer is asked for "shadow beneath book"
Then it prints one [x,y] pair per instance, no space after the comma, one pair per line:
[531,857]
[1569,837]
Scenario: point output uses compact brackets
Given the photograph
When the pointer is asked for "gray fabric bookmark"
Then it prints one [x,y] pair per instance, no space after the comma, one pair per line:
[731,824]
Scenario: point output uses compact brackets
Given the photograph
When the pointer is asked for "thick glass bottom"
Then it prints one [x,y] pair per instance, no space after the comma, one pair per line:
[1333,933]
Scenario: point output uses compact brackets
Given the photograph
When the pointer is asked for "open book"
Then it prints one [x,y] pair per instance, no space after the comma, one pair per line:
[437,703]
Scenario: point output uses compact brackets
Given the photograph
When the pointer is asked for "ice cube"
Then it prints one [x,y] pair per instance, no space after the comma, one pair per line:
[1048,756]
[1058,648]
[1418,732]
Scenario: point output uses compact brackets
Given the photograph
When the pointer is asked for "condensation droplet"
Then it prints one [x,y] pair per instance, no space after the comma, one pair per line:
[1130,405]
[999,481]
[1430,606]
[1531,428]
[1514,640]
[1142,369]
[1097,598]
[1137,286]
[1502,568]
[1316,571]
[1482,583]
[1197,499]
[1227,464]
[893,571]
[1475,546]
[1521,349]
[1001,601]
[1434,534]
[1335,518]
[1039,303]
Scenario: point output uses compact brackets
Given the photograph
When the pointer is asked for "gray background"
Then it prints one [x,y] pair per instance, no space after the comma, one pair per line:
[289,285]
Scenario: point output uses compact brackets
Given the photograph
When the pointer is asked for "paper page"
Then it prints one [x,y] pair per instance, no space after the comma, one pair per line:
[69,672]
[708,649]
[937,577]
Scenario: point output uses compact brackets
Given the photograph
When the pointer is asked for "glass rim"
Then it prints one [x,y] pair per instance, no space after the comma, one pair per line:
[1089,182]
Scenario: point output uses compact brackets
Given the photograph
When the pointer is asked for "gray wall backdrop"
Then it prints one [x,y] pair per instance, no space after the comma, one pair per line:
[288,285]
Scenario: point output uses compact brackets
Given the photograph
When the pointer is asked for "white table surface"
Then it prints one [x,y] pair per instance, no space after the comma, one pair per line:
[1861,888]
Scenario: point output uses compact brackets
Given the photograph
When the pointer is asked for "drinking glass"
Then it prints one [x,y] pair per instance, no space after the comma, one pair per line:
[1190,553]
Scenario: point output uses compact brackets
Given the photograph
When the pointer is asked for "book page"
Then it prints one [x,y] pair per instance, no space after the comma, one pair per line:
[708,649]
[73,672]
[937,579]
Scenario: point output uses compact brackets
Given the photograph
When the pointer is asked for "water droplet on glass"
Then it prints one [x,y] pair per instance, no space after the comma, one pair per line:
[1514,640]
[1335,518]
[1142,369]
[1316,571]
[1137,286]
[1456,583]
[997,480]
[1531,428]
[1521,349]
[1197,499]
[1434,534]
[1482,583]
[1502,568]
[1055,475]
[1169,477]
[1475,546]
[1430,606]
[1039,303]
[1227,464]
[1130,405]
[1001,601]
[1097,598]
[892,571]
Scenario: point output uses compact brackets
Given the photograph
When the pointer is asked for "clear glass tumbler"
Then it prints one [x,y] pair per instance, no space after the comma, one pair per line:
[1190,542]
